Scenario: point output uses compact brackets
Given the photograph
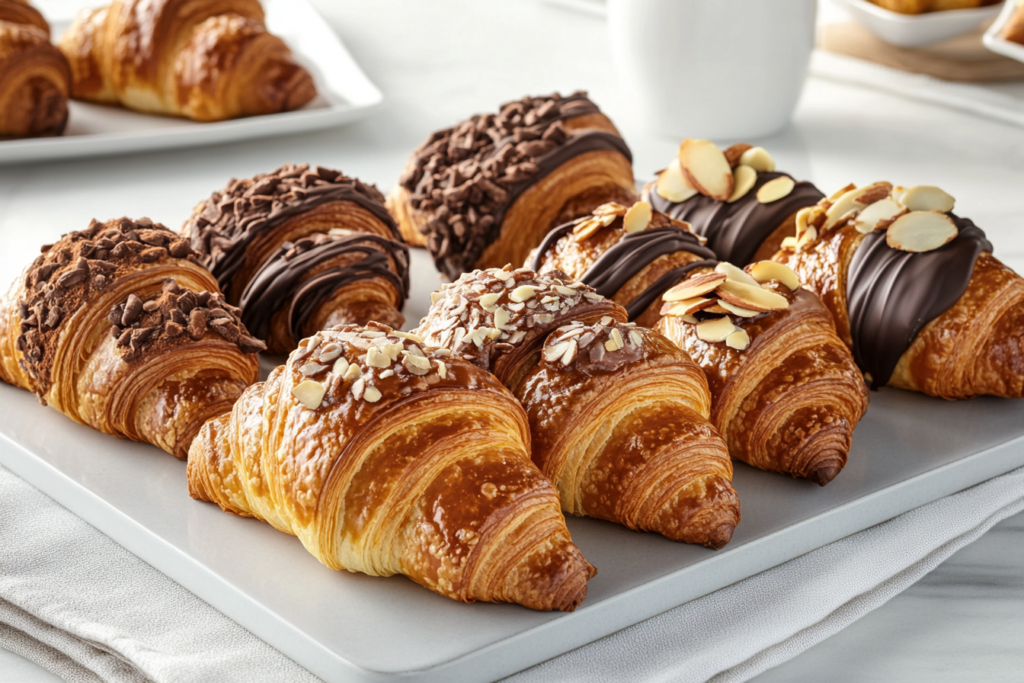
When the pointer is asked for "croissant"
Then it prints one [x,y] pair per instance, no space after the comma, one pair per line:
[302,249]
[35,79]
[914,290]
[120,328]
[385,456]
[618,415]
[735,199]
[1014,29]
[483,193]
[207,60]
[790,401]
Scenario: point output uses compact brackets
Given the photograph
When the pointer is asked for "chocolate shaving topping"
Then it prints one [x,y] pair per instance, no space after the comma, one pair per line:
[222,227]
[138,325]
[465,178]
[81,264]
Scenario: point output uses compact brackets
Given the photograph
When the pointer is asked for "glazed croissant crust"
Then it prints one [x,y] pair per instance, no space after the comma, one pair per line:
[119,328]
[385,456]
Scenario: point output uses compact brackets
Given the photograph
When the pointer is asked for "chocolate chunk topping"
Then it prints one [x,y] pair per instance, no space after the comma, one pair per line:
[223,226]
[465,178]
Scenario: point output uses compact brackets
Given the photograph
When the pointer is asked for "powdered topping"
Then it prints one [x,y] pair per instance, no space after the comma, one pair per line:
[605,345]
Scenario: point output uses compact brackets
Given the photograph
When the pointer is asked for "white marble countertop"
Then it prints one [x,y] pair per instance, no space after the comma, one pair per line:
[441,61]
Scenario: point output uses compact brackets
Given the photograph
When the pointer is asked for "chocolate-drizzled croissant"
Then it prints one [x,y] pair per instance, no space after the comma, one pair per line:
[735,199]
[210,60]
[386,457]
[483,193]
[914,290]
[120,328]
[618,415]
[790,401]
[301,249]
[35,79]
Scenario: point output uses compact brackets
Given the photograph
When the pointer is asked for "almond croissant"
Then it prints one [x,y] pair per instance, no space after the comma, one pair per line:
[388,457]
[120,328]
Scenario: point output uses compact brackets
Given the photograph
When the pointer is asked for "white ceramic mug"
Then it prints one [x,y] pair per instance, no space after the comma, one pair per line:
[712,68]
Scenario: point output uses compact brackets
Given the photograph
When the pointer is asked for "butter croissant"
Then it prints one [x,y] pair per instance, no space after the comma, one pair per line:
[35,79]
[385,456]
[302,249]
[120,328]
[484,192]
[914,290]
[618,415]
[207,60]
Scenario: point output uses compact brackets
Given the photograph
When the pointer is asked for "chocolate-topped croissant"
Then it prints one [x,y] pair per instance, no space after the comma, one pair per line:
[735,199]
[301,249]
[35,79]
[618,415]
[207,60]
[790,401]
[386,456]
[483,193]
[914,289]
[120,328]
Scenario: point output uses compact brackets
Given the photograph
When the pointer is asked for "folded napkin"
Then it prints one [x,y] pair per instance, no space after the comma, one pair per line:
[81,606]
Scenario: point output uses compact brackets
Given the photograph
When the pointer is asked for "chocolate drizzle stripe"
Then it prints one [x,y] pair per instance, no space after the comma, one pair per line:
[546,244]
[891,295]
[736,230]
[636,251]
[324,284]
[662,285]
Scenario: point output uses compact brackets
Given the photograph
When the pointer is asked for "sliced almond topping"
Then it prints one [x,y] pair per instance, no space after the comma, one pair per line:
[311,368]
[807,239]
[766,271]
[376,358]
[340,367]
[758,159]
[610,209]
[672,184]
[570,352]
[615,341]
[849,202]
[309,393]
[522,293]
[488,300]
[635,337]
[789,243]
[737,310]
[802,221]
[738,340]
[637,218]
[688,319]
[754,298]
[875,192]
[841,191]
[745,179]
[736,274]
[371,394]
[442,369]
[353,371]
[927,198]
[878,216]
[501,318]
[587,228]
[687,307]
[735,152]
[775,189]
[715,330]
[357,388]
[410,336]
[921,231]
[716,309]
[330,352]
[555,351]
[608,220]
[695,286]
[898,193]
[417,365]
[706,168]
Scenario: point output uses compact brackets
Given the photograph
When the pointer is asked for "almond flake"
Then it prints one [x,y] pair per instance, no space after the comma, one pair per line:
[565,291]
[330,352]
[878,216]
[442,369]
[371,394]
[766,271]
[555,351]
[927,198]
[715,330]
[522,293]
[417,365]
[357,388]
[637,218]
[775,189]
[738,340]
[694,287]
[570,352]
[706,169]
[410,336]
[615,341]
[377,358]
[501,318]
[311,368]
[635,337]
[309,393]
[789,243]
[847,202]
[610,209]
[754,298]
[737,310]
[587,228]
[807,239]
[736,274]
[687,306]
[340,367]
[758,159]
[352,372]
[745,179]
[672,184]
[919,231]
[488,300]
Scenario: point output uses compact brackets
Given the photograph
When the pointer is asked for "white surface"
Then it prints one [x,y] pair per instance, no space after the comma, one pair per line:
[418,55]
[915,30]
[344,94]
[729,68]
[993,37]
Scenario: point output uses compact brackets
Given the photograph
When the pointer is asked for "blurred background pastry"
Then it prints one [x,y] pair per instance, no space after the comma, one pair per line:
[35,80]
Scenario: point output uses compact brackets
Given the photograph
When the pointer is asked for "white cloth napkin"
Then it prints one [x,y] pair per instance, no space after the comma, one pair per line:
[83,607]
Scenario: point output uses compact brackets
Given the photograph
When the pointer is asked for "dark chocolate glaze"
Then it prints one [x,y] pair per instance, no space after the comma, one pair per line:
[891,295]
[735,231]
[277,284]
[662,285]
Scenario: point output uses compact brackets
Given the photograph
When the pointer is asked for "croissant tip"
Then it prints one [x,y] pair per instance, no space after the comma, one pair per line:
[720,536]
[824,474]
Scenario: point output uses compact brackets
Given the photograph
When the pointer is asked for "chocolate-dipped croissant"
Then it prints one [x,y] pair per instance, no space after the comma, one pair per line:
[618,415]
[385,456]
[483,193]
[35,79]
[207,60]
[301,249]
[790,401]
[914,290]
[735,199]
[120,328]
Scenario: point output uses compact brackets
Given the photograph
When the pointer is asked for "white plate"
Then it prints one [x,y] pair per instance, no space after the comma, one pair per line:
[915,30]
[993,37]
[345,94]
[908,450]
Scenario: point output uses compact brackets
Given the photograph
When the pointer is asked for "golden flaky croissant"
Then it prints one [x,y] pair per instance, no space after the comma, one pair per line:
[483,193]
[302,249]
[618,415]
[914,290]
[35,79]
[386,457]
[207,60]
[790,401]
[735,199]
[120,328]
